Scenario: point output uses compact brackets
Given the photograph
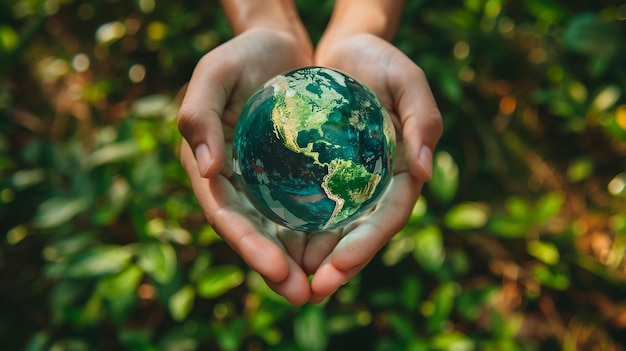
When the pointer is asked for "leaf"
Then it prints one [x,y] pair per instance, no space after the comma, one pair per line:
[59,210]
[158,259]
[452,340]
[310,331]
[445,180]
[121,284]
[467,215]
[507,227]
[147,175]
[105,259]
[517,208]
[545,252]
[181,303]
[429,248]
[548,206]
[580,169]
[606,98]
[443,301]
[587,34]
[547,276]
[111,153]
[151,106]
[219,280]
[25,178]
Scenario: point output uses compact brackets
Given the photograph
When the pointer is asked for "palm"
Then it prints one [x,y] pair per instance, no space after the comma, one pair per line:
[221,83]
[387,72]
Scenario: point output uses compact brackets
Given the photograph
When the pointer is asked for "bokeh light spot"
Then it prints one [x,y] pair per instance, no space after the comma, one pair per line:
[538,55]
[620,116]
[156,30]
[137,73]
[16,234]
[578,91]
[461,50]
[110,32]
[617,184]
[508,104]
[80,62]
[146,6]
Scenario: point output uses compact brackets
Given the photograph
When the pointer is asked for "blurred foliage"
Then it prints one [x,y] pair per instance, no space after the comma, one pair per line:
[518,243]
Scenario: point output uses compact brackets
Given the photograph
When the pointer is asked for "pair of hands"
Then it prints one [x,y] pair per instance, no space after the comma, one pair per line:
[217,92]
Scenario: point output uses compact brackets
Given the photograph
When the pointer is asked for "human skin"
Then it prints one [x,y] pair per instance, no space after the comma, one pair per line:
[270,39]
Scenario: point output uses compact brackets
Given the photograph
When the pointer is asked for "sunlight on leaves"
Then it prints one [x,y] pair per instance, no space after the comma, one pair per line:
[158,259]
[310,330]
[467,215]
[58,210]
[181,303]
[445,180]
[429,250]
[546,252]
[102,260]
[219,280]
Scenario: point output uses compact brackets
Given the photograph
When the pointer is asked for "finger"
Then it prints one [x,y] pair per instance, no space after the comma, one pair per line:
[218,200]
[421,120]
[199,118]
[390,216]
[318,247]
[294,243]
[329,278]
[295,288]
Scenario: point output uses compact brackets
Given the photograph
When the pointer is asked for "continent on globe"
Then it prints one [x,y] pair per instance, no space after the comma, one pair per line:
[313,149]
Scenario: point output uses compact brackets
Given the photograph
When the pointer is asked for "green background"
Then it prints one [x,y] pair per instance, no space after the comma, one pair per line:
[518,242]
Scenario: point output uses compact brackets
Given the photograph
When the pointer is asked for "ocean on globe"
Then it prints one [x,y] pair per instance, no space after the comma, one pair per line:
[313,149]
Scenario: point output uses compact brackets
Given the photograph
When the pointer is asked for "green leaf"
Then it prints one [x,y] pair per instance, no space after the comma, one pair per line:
[59,210]
[546,252]
[580,169]
[549,277]
[548,206]
[310,331]
[151,106]
[443,301]
[105,259]
[200,265]
[507,227]
[445,179]
[181,302]
[587,34]
[452,340]
[219,280]
[467,215]
[428,249]
[123,283]
[158,259]
[517,208]
[114,152]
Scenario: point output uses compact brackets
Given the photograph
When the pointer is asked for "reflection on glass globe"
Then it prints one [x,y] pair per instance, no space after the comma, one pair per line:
[313,149]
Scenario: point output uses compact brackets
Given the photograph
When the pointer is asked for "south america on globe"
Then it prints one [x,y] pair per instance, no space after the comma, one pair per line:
[313,149]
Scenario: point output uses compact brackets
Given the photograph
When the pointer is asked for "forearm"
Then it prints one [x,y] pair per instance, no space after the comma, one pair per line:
[376,17]
[271,14]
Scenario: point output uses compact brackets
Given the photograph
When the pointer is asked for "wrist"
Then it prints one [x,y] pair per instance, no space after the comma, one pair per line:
[275,15]
[376,17]
[269,14]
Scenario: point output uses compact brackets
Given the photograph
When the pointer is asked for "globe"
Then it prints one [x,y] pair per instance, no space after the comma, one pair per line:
[313,149]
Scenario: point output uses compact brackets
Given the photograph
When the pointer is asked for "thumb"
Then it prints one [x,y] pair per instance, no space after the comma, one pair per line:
[199,118]
[421,120]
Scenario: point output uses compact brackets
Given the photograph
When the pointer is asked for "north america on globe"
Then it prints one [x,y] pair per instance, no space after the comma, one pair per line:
[313,149]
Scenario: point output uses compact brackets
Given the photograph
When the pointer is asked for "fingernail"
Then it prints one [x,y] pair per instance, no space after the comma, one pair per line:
[426,161]
[203,158]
